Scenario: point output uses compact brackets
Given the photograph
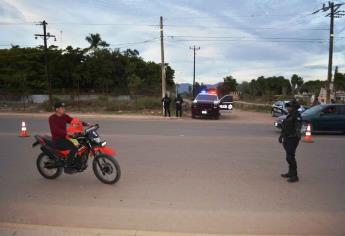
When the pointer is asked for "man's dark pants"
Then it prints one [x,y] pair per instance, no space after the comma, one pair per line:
[178,111]
[166,111]
[290,146]
[65,144]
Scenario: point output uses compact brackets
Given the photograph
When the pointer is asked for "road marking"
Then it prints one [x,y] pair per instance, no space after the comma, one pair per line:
[7,229]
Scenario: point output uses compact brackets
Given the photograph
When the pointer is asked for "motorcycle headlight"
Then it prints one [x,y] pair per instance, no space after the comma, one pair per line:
[103,143]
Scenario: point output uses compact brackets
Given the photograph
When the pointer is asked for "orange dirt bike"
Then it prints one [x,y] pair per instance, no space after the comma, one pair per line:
[51,162]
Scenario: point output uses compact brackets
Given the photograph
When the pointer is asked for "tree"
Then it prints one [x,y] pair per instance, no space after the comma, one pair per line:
[169,77]
[244,88]
[95,41]
[199,87]
[262,86]
[134,84]
[229,85]
[339,81]
[95,68]
[312,86]
[296,82]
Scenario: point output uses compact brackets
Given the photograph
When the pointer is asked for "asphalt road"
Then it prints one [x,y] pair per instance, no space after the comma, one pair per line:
[188,176]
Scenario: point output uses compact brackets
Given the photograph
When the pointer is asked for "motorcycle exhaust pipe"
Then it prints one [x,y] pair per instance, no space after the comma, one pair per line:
[53,165]
[49,153]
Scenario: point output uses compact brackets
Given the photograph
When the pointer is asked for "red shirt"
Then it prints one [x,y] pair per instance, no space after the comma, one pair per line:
[58,125]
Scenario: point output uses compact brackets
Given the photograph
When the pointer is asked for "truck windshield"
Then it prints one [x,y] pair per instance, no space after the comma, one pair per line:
[206,97]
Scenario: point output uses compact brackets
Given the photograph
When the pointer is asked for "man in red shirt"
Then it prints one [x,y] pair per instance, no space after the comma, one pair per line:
[58,128]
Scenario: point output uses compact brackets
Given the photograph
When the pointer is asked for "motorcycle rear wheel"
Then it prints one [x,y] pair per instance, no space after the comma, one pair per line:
[105,166]
[45,172]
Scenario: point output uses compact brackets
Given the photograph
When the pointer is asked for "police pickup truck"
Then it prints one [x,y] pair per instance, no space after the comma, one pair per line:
[207,104]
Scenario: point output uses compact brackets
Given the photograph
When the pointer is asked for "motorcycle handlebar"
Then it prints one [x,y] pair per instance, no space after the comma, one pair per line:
[91,128]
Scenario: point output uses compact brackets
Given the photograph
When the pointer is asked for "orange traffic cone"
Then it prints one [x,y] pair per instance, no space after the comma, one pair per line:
[308,137]
[24,132]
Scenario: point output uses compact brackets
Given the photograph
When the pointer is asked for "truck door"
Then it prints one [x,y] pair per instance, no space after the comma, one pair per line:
[226,103]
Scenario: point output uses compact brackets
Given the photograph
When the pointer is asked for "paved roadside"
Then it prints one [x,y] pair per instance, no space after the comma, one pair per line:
[237,116]
[11,229]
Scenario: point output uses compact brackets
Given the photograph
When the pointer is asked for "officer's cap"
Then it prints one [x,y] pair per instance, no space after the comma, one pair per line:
[294,104]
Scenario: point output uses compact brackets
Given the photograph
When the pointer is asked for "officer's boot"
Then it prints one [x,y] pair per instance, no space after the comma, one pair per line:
[294,177]
[288,174]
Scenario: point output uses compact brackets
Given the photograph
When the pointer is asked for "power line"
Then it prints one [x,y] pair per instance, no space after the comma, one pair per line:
[240,15]
[155,25]
[104,24]
[242,28]
[247,40]
[241,37]
[134,43]
[80,23]
[18,23]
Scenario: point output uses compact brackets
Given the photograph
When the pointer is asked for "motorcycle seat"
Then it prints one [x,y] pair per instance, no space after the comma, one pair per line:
[49,143]
[48,140]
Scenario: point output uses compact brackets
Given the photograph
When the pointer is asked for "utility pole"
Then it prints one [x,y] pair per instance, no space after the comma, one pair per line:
[334,12]
[46,36]
[193,87]
[334,85]
[162,58]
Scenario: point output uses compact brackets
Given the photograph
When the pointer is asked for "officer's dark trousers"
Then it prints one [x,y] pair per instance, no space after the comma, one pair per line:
[167,111]
[290,146]
[64,144]
[178,111]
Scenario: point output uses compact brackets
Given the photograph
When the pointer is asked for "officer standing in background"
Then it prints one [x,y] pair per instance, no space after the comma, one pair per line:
[178,105]
[316,102]
[166,104]
[290,137]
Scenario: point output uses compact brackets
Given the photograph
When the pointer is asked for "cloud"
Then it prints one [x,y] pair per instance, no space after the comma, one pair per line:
[245,51]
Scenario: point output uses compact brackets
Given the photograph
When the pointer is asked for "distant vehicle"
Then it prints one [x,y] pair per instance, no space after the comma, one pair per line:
[207,104]
[325,117]
[279,108]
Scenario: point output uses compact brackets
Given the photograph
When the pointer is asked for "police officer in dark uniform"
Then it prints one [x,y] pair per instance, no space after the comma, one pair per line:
[290,137]
[166,104]
[178,105]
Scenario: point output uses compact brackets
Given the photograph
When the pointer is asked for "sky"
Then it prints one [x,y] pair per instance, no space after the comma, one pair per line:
[242,38]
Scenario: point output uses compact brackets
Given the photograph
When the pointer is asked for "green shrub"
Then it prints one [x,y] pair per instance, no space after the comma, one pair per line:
[253,107]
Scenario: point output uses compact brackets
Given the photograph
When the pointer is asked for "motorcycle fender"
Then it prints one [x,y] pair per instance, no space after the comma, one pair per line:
[105,150]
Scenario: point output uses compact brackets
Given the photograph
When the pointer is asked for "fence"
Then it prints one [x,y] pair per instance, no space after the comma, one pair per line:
[93,102]
[260,107]
[85,103]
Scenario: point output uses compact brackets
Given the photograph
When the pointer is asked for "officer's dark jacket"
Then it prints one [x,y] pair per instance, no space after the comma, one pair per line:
[178,101]
[291,127]
[166,101]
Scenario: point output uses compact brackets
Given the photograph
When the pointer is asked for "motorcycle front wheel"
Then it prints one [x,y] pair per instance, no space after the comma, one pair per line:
[106,168]
[52,173]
